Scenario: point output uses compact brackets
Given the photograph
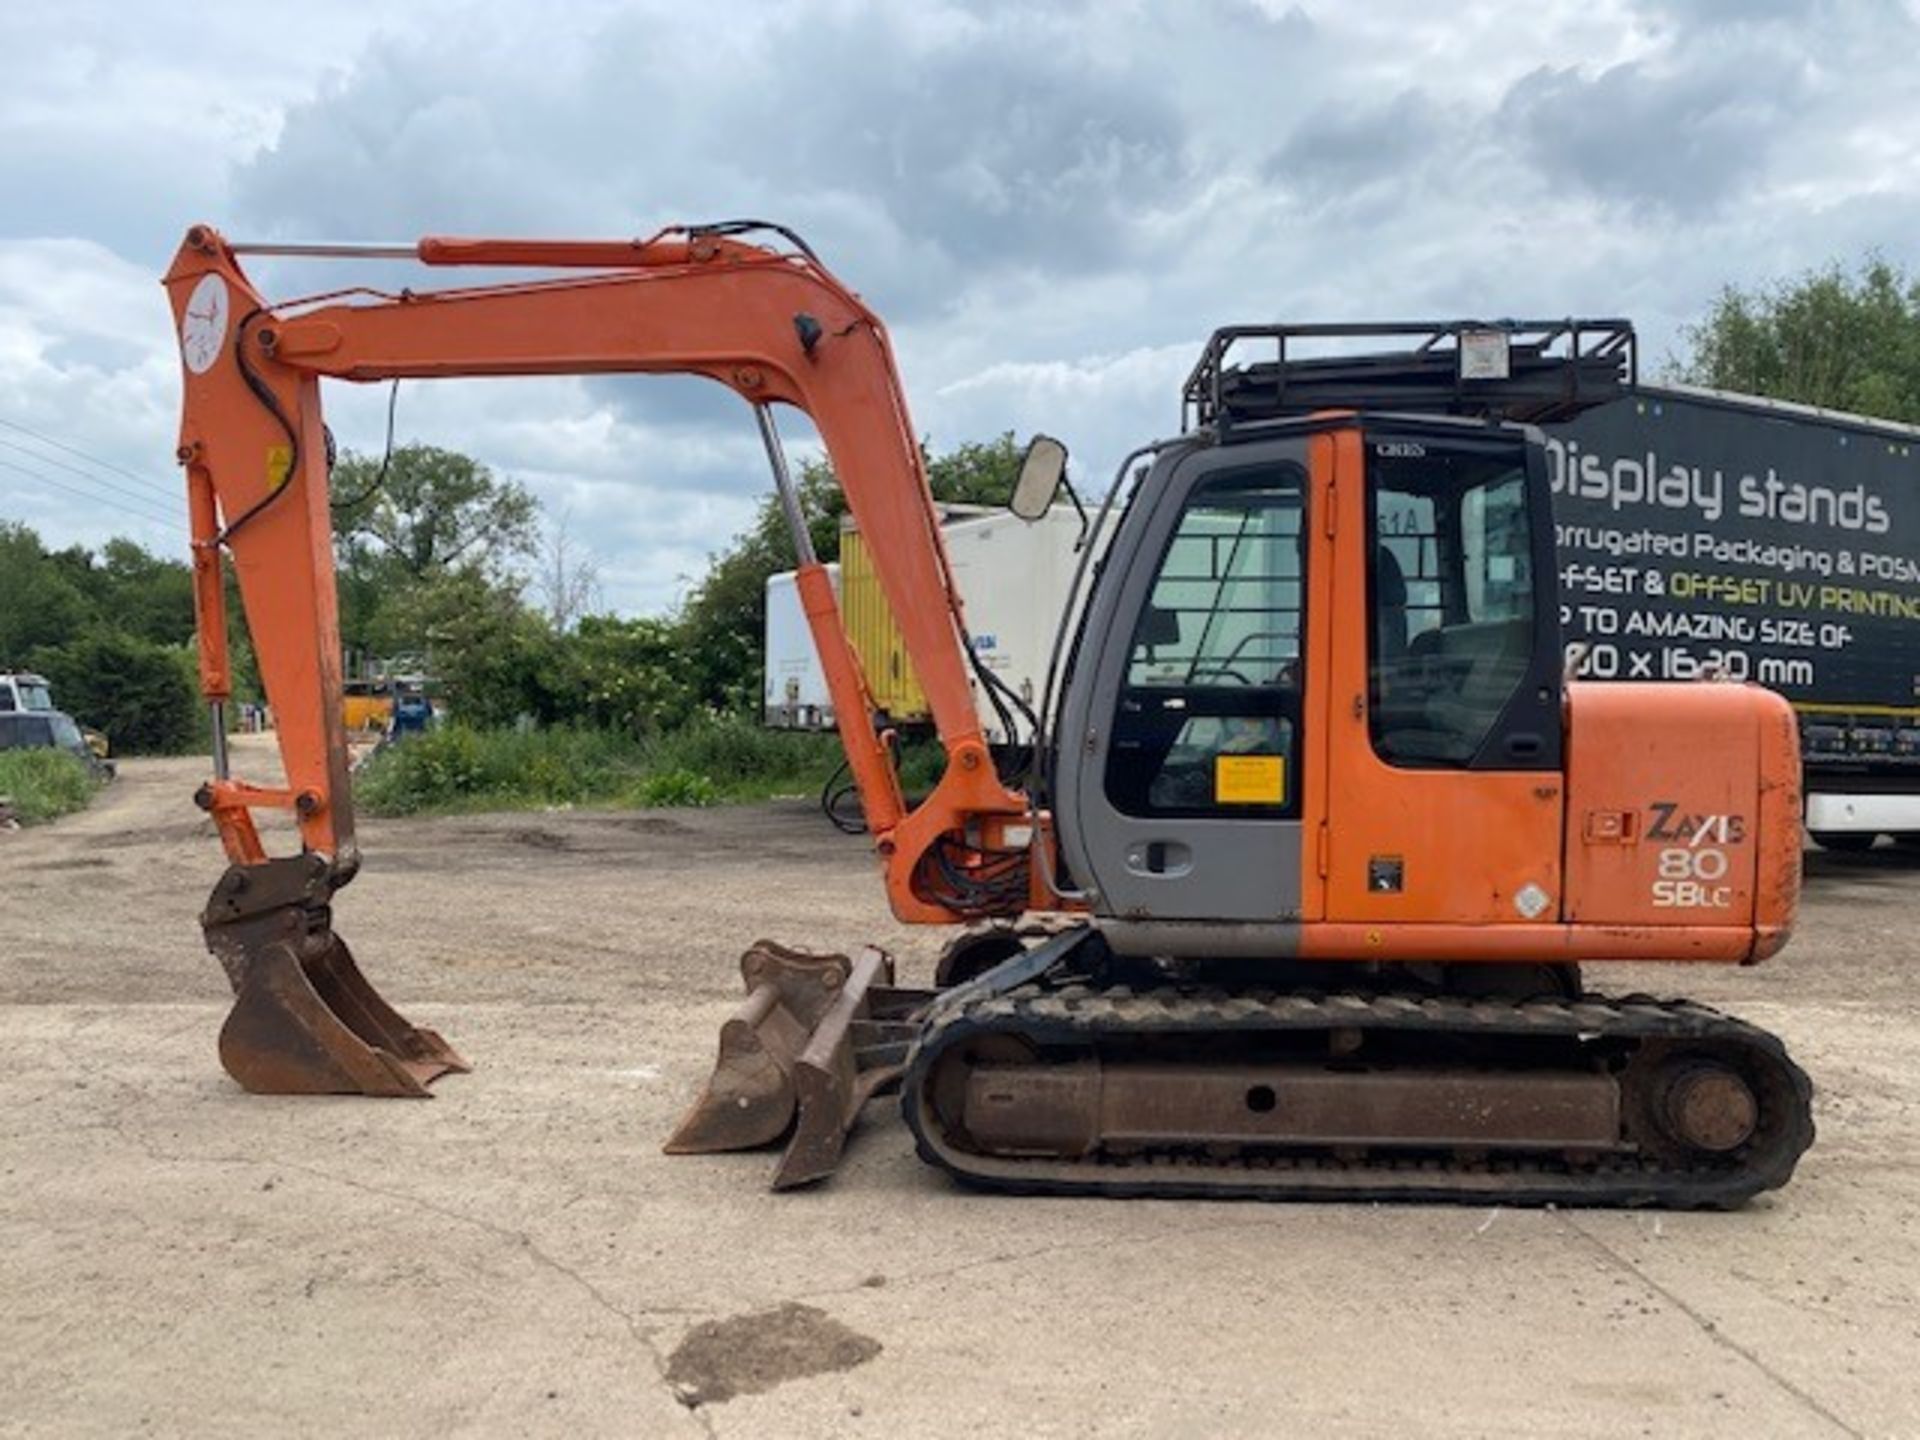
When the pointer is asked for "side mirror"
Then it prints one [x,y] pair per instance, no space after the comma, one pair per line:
[1041,470]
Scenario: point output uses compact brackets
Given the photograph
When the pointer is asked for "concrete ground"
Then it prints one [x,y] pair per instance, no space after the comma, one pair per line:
[516,1256]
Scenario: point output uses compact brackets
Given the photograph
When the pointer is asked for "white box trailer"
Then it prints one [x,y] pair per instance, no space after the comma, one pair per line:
[1013,578]
[795,685]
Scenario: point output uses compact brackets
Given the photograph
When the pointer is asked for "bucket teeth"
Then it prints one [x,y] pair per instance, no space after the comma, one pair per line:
[790,1061]
[305,1021]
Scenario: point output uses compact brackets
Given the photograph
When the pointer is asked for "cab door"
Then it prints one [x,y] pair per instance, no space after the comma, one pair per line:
[1185,744]
[1444,796]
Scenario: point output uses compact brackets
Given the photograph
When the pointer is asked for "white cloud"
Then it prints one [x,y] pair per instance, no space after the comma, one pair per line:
[86,359]
[1051,205]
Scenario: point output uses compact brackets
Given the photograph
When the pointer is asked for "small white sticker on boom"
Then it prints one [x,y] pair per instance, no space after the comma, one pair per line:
[203,329]
[1530,900]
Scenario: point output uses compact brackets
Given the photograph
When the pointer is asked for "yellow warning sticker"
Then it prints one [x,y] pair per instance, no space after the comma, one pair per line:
[279,465]
[1250,780]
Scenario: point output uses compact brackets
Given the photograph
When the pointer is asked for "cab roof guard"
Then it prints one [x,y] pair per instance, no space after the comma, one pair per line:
[1533,371]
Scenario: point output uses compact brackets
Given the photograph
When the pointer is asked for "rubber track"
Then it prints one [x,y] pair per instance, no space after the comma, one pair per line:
[1080,1014]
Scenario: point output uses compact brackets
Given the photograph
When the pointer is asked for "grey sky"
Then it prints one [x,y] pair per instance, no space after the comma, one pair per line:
[1051,205]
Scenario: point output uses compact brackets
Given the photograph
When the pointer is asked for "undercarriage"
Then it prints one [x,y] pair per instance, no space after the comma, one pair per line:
[1063,1070]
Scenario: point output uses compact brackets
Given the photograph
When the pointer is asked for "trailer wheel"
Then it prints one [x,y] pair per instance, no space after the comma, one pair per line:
[1843,842]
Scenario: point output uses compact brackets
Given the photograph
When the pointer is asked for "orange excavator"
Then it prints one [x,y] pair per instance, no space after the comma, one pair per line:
[1289,892]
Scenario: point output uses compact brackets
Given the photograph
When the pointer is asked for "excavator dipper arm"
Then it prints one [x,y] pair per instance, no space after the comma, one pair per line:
[775,327]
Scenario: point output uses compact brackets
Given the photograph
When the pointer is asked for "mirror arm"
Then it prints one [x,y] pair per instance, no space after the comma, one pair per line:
[1078,509]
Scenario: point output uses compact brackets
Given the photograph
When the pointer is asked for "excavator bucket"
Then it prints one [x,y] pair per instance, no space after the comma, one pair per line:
[305,1021]
[816,1037]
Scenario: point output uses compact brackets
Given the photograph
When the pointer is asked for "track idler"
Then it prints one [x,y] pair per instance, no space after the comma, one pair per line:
[305,1021]
[817,1037]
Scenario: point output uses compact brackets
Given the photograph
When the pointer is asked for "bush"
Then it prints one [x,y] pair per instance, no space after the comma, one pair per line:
[44,784]
[707,762]
[739,751]
[676,788]
[139,693]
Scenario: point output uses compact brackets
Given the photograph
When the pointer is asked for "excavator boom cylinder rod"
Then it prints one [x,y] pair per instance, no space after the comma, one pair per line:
[326,249]
[450,250]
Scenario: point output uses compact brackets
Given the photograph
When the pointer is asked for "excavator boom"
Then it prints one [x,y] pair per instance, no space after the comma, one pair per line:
[773,325]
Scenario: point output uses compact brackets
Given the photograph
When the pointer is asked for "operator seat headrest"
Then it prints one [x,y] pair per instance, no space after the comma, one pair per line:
[1389,607]
[1389,580]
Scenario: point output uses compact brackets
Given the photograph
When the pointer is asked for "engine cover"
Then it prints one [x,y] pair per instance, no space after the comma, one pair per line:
[1683,808]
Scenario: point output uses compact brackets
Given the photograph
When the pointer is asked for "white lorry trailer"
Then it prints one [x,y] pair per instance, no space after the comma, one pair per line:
[1014,577]
[794,687]
[1702,532]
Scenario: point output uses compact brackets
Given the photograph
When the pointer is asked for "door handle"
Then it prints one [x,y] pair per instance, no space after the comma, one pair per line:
[1165,859]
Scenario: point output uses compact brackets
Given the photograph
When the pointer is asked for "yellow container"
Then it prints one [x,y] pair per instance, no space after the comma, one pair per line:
[364,709]
[876,637]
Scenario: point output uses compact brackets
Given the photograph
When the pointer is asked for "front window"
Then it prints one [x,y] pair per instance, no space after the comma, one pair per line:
[34,695]
[1209,714]
[1452,596]
[66,734]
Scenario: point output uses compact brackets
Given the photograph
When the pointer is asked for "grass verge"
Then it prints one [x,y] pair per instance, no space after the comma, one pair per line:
[43,784]
[712,762]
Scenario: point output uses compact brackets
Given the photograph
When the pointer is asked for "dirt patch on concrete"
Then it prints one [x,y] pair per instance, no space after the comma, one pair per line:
[748,1354]
[540,839]
[651,825]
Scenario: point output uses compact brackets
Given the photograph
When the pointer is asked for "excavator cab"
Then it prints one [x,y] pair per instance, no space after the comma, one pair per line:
[1346,833]
[1332,614]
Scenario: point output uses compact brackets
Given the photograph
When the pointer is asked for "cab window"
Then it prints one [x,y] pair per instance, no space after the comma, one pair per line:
[1452,597]
[1209,712]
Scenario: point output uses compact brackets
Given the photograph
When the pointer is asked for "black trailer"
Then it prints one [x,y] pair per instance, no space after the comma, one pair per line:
[1700,533]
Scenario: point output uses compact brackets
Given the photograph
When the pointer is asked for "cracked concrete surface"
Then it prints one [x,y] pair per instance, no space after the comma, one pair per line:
[517,1257]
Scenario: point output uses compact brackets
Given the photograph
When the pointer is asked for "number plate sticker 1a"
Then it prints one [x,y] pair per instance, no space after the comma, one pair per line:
[1250,780]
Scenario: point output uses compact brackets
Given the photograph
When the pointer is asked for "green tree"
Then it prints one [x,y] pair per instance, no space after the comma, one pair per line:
[434,510]
[633,675]
[140,694]
[400,537]
[39,602]
[142,593]
[478,641]
[108,628]
[976,472]
[724,619]
[1847,341]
